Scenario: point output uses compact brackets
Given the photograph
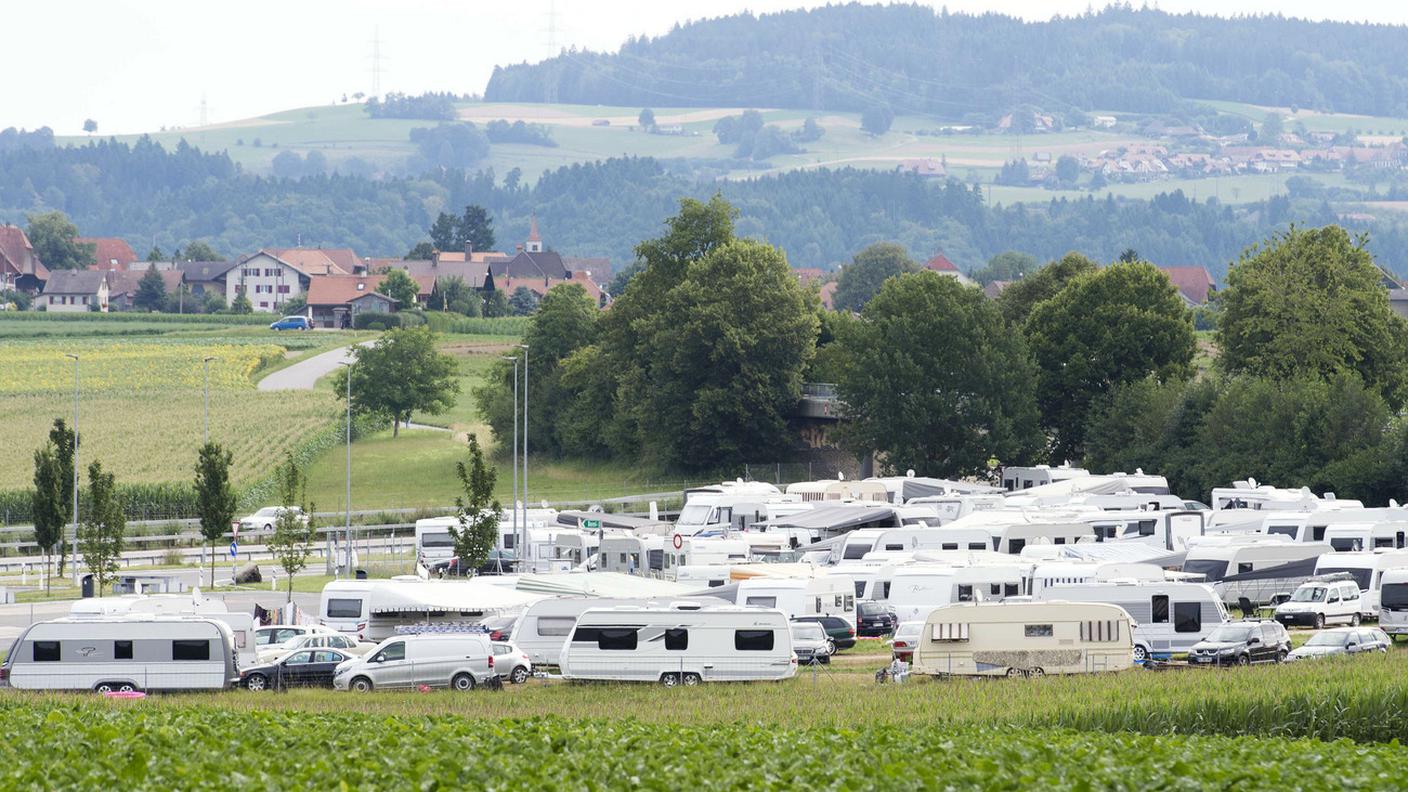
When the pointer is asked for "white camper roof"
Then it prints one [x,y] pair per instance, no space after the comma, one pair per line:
[600,584]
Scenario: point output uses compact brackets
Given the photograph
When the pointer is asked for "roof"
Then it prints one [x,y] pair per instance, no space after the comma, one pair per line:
[838,517]
[341,289]
[318,261]
[543,264]
[110,252]
[473,273]
[598,267]
[204,271]
[806,275]
[127,282]
[940,263]
[992,290]
[74,282]
[533,235]
[477,256]
[17,255]
[828,295]
[541,286]
[1194,283]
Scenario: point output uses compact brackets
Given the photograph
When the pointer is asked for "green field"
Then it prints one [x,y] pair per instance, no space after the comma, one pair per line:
[1315,121]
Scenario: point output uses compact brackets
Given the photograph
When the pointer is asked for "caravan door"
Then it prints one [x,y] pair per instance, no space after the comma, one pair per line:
[1183,526]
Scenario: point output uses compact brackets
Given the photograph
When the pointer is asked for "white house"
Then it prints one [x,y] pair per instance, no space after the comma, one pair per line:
[73,291]
[267,280]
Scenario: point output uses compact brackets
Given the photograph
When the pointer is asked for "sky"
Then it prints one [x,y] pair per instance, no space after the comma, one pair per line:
[140,65]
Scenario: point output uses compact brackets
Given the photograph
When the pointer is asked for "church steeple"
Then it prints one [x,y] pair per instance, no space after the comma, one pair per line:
[535,240]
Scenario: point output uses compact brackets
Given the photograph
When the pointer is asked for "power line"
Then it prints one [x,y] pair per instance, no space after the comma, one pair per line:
[376,59]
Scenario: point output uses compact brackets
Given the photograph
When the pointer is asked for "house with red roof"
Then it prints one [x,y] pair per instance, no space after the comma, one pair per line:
[335,300]
[940,264]
[1194,284]
[20,269]
[109,253]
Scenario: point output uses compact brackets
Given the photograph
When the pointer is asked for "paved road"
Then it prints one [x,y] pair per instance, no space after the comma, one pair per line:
[304,374]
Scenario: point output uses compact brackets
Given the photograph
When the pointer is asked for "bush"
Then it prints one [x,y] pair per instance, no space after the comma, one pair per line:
[442,322]
[372,320]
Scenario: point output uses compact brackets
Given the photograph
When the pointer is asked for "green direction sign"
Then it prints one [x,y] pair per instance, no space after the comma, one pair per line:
[591,523]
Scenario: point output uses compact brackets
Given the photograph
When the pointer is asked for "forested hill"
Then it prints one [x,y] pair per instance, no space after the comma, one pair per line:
[820,217]
[918,60]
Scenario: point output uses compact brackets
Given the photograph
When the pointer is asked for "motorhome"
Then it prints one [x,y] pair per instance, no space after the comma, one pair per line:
[840,490]
[632,554]
[433,539]
[1024,639]
[241,625]
[674,647]
[123,653]
[948,508]
[1393,602]
[374,609]
[824,595]
[1015,477]
[681,551]
[916,589]
[731,506]
[1367,569]
[1169,617]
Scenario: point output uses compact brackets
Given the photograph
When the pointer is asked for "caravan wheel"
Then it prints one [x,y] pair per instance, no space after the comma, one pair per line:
[670,680]
[1036,672]
[690,680]
[1014,672]
[1141,655]
[103,688]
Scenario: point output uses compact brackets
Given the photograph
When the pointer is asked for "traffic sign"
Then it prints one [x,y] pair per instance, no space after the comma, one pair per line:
[234,549]
[678,541]
[591,523]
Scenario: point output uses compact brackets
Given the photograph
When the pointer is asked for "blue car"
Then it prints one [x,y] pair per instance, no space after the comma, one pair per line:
[292,323]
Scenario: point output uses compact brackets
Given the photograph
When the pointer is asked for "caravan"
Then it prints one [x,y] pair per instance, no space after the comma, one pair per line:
[674,647]
[825,595]
[918,588]
[1252,566]
[1024,639]
[241,624]
[123,653]
[373,609]
[1168,617]
[1016,478]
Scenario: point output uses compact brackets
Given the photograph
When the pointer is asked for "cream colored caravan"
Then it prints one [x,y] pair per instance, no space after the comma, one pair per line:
[1024,639]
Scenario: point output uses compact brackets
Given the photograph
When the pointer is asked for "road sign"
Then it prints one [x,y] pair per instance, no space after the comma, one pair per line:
[591,523]
[679,541]
[234,549]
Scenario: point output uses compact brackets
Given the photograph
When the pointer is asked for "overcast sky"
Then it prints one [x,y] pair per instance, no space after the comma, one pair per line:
[136,65]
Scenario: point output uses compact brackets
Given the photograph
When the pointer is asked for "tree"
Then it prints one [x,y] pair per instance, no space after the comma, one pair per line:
[1067,169]
[443,232]
[155,254]
[475,229]
[48,503]
[399,374]
[1271,129]
[215,497]
[197,250]
[287,165]
[90,126]
[295,305]
[523,302]
[479,512]
[810,132]
[151,292]
[100,538]
[877,119]
[241,304]
[1019,298]
[1129,256]
[400,287]
[646,119]
[868,271]
[423,251]
[55,242]
[1117,325]
[64,441]
[1007,266]
[496,304]
[933,380]
[1309,303]
[292,542]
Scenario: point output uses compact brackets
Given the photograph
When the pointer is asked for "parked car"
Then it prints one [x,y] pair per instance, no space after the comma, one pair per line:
[499,561]
[1243,643]
[292,323]
[903,641]
[264,519]
[811,644]
[276,634]
[1343,640]
[874,619]
[1318,602]
[837,629]
[314,640]
[499,628]
[304,668]
[462,661]
[512,663]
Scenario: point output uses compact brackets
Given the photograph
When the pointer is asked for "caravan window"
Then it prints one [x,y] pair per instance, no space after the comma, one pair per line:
[553,626]
[752,640]
[1146,527]
[586,634]
[965,593]
[977,546]
[677,639]
[768,602]
[344,609]
[1317,533]
[894,547]
[1242,566]
[122,650]
[850,603]
[617,639]
[190,650]
[1383,541]
[1160,607]
[1284,530]
[437,540]
[1014,546]
[46,651]
[856,551]
[1010,589]
[508,541]
[1100,631]
[951,546]
[860,588]
[1038,631]
[995,589]
[1187,617]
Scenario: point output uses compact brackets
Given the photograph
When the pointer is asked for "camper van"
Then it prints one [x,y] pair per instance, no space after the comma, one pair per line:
[697,551]
[1168,617]
[123,653]
[1024,639]
[674,647]
[373,609]
[825,595]
[1367,569]
[917,589]
[731,506]
[1015,478]
[433,539]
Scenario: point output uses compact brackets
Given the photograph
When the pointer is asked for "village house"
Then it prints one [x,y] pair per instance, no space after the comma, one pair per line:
[20,269]
[123,286]
[266,280]
[75,291]
[940,264]
[336,300]
[109,253]
[1195,285]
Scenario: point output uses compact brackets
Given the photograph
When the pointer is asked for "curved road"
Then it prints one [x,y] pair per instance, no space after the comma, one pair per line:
[304,374]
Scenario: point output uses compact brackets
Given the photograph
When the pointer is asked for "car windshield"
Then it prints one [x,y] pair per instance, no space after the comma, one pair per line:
[1230,634]
[268,511]
[1328,639]
[808,631]
[1309,594]
[694,514]
[909,630]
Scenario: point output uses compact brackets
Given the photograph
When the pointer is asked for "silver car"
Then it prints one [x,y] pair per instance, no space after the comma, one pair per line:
[461,661]
[1343,640]
[811,644]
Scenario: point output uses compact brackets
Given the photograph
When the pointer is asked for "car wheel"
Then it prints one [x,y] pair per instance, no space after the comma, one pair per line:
[670,680]
[1282,655]
[268,527]
[462,682]
[1141,655]
[1036,672]
[519,675]
[1244,659]
[830,647]
[1354,620]
[362,685]
[1319,621]
[256,682]
[691,679]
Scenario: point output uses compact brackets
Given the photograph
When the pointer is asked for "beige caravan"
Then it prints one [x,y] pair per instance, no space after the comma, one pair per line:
[1024,639]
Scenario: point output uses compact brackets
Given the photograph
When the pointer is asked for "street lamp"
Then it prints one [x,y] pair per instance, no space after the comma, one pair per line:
[206,361]
[347,524]
[518,550]
[524,347]
[74,358]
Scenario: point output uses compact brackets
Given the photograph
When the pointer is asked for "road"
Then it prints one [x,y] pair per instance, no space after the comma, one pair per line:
[304,374]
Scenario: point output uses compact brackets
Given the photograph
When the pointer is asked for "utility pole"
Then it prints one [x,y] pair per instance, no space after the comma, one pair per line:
[517,537]
[525,436]
[75,467]
[347,502]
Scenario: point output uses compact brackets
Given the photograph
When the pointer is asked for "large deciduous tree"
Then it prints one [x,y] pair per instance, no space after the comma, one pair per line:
[1310,303]
[55,241]
[1018,299]
[479,513]
[400,287]
[100,538]
[215,497]
[1117,325]
[869,269]
[933,380]
[402,372]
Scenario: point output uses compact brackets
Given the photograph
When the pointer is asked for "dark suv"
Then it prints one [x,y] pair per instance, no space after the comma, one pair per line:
[1242,643]
[874,619]
[837,629]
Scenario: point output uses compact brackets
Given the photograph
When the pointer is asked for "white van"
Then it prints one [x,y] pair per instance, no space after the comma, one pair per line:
[1393,602]
[1024,639]
[1320,601]
[826,595]
[123,653]
[1167,617]
[461,661]
[641,644]
[1367,569]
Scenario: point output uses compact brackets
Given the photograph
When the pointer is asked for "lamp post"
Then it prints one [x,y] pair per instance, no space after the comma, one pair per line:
[524,347]
[347,524]
[518,540]
[206,361]
[74,546]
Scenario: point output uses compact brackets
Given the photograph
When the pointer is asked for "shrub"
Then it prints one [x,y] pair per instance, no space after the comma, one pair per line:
[372,320]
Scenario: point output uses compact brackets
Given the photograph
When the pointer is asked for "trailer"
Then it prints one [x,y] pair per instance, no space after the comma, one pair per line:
[1168,617]
[123,653]
[1024,639]
[374,609]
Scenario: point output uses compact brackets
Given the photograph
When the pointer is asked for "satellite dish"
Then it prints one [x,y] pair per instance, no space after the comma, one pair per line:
[909,473]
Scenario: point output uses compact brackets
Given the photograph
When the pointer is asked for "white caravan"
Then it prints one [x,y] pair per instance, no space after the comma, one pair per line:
[1367,569]
[839,490]
[241,625]
[1171,529]
[433,540]
[1353,537]
[1024,639]
[545,625]
[825,595]
[1259,497]
[730,506]
[631,554]
[701,551]
[907,488]
[1015,477]
[1048,574]
[917,589]
[948,508]
[123,653]
[1168,617]
[1284,565]
[1393,602]
[672,647]
[373,609]
[573,548]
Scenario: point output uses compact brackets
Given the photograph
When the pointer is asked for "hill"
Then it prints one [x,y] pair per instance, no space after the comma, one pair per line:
[916,60]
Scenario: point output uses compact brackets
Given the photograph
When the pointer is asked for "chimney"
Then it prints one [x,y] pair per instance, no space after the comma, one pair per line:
[468,249]
[519,248]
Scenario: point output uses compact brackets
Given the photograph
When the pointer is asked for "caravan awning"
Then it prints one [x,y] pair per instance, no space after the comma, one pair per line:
[840,518]
[405,596]
[1294,569]
[573,519]
[599,584]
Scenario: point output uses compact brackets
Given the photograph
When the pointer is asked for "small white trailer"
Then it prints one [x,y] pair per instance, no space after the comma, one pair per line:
[673,647]
[1024,639]
[824,595]
[123,653]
